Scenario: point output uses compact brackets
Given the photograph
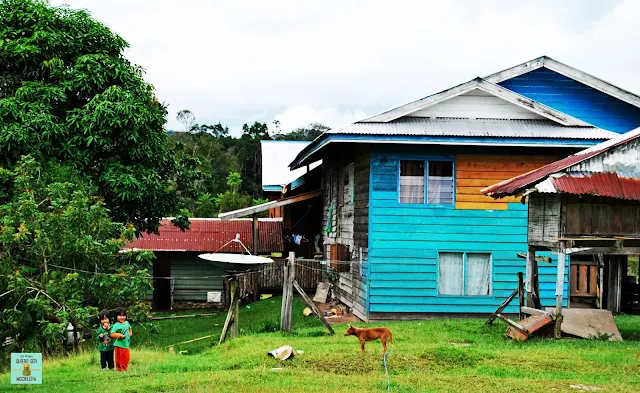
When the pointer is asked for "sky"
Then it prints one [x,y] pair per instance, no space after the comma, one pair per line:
[336,62]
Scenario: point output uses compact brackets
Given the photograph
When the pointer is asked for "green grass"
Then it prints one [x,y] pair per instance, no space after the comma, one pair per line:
[441,355]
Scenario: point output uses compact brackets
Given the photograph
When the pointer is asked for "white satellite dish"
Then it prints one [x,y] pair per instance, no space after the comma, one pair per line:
[235,259]
[235,263]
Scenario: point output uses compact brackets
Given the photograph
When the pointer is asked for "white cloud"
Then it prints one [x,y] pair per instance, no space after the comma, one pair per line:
[300,116]
[331,61]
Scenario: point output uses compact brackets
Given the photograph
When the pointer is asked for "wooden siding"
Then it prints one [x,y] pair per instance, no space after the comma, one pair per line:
[405,240]
[349,223]
[544,219]
[598,216]
[477,104]
[474,172]
[576,99]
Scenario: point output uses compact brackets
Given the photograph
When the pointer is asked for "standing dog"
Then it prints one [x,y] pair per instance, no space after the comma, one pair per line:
[371,334]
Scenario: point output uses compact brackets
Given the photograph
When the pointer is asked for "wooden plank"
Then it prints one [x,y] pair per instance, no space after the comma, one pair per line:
[582,286]
[234,299]
[590,323]
[533,311]
[482,206]
[502,307]
[573,279]
[514,325]
[559,292]
[484,199]
[313,306]
[520,293]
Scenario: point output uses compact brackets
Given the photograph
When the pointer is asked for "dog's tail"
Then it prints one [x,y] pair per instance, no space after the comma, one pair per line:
[391,338]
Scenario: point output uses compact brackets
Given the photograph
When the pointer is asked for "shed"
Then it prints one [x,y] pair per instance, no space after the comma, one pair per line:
[585,204]
[182,277]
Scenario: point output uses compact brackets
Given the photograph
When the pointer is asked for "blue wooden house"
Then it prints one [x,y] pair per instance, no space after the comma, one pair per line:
[402,204]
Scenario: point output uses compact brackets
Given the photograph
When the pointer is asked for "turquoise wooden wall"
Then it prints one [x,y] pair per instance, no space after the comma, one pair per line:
[404,241]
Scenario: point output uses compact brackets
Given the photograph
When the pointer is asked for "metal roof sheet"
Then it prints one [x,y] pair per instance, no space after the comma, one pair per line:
[276,156]
[518,183]
[420,126]
[599,184]
[209,235]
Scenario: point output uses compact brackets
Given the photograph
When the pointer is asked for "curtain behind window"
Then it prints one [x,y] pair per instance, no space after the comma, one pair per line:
[450,268]
[440,185]
[412,182]
[478,274]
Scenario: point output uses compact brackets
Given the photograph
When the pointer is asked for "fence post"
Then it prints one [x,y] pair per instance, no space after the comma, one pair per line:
[287,293]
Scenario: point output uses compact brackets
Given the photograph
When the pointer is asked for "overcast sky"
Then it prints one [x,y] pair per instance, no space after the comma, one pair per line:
[336,62]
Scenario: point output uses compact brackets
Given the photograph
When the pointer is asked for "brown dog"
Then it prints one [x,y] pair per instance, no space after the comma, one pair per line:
[371,334]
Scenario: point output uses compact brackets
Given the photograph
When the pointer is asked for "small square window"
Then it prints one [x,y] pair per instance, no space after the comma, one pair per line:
[412,184]
[440,186]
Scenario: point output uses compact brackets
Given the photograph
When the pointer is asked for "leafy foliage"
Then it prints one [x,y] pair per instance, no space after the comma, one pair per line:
[68,94]
[215,154]
[52,228]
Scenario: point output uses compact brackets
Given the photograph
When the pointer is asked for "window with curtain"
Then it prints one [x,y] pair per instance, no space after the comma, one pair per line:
[412,182]
[464,274]
[440,184]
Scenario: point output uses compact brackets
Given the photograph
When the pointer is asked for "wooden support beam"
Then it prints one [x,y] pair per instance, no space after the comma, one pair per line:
[502,307]
[234,299]
[313,306]
[559,292]
[287,293]
[531,255]
[533,311]
[520,294]
[256,235]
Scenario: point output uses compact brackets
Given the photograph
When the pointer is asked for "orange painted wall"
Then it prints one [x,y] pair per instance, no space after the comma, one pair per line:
[474,172]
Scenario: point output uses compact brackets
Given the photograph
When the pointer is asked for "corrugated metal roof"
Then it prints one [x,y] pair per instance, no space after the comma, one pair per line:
[599,184]
[276,156]
[209,235]
[518,183]
[420,126]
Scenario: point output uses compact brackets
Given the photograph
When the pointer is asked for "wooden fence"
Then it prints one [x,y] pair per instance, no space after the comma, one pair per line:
[269,278]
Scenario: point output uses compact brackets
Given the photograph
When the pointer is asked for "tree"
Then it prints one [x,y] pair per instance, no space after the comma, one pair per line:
[53,231]
[233,198]
[250,157]
[309,133]
[68,94]
[186,117]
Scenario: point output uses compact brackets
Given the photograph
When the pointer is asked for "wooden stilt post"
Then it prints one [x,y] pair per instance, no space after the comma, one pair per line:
[531,259]
[236,307]
[601,280]
[520,295]
[287,293]
[559,291]
[614,284]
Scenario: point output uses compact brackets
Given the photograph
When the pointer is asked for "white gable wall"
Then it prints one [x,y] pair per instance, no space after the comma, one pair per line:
[477,104]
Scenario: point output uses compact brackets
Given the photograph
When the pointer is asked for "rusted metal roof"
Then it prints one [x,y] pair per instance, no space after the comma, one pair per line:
[209,235]
[599,184]
[519,183]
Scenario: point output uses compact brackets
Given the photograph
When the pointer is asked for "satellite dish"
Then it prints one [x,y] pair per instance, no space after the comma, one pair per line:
[235,262]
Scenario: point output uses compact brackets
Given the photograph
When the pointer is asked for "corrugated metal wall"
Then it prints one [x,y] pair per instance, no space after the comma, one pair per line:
[209,235]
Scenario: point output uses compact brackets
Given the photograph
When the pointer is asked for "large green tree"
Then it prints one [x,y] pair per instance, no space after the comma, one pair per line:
[59,257]
[68,94]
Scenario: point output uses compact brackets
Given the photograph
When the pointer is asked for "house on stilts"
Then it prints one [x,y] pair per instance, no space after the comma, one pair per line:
[401,203]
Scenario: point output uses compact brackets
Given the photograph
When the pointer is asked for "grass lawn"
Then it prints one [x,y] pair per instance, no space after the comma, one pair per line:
[442,355]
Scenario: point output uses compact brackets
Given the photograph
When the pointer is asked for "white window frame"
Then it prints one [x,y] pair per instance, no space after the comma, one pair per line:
[464,273]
